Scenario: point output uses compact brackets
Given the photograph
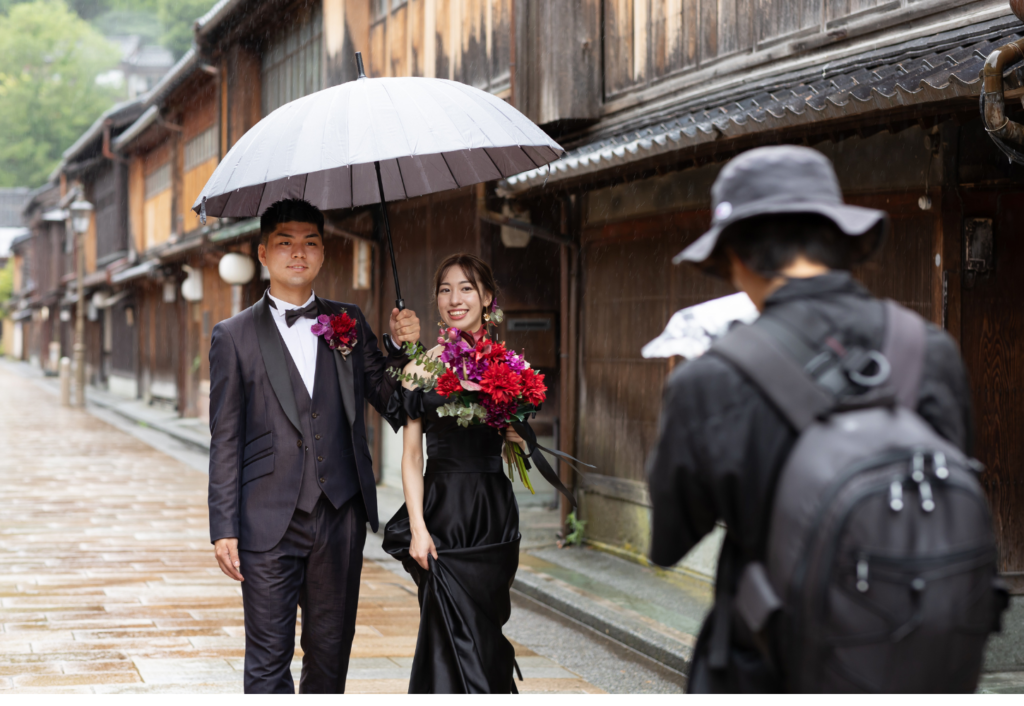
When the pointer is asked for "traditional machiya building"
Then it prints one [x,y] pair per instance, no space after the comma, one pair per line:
[650,97]
[46,261]
[889,91]
[18,320]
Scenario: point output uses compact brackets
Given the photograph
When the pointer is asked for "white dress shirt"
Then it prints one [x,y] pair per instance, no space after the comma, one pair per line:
[299,339]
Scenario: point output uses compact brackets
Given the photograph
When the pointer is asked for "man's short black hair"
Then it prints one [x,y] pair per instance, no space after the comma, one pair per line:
[767,244]
[287,210]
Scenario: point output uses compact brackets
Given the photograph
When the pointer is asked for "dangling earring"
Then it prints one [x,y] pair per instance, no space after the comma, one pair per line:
[496,315]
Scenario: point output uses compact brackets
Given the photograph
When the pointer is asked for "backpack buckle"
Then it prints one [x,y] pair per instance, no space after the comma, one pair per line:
[859,363]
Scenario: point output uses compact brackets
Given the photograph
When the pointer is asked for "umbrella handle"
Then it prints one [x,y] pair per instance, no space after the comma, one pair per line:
[399,301]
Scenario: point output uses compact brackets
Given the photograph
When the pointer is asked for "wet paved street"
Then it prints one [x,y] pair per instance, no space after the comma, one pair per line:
[108,582]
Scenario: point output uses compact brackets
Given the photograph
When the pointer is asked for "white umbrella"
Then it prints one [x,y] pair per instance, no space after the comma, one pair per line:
[372,141]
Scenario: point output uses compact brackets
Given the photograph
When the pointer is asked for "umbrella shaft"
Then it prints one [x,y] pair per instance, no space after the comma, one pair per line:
[399,302]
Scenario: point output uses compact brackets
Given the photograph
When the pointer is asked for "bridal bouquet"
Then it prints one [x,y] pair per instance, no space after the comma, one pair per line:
[484,383]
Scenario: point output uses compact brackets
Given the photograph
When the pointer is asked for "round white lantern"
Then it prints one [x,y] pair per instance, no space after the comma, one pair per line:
[192,287]
[236,269]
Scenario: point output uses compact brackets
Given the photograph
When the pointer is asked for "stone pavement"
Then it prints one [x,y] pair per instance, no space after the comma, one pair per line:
[107,578]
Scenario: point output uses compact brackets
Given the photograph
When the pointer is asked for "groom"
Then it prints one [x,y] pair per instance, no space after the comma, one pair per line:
[291,484]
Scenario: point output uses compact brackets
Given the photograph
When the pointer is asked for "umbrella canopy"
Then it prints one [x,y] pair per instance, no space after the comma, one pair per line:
[426,134]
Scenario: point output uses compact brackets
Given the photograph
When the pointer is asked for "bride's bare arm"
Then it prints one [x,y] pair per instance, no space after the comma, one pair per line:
[412,484]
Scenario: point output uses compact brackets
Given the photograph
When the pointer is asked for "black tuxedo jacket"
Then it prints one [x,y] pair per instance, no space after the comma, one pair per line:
[256,452]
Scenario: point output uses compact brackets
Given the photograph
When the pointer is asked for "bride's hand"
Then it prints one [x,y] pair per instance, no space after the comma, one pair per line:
[512,436]
[422,546]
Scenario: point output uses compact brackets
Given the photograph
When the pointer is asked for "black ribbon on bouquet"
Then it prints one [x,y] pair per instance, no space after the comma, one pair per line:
[524,430]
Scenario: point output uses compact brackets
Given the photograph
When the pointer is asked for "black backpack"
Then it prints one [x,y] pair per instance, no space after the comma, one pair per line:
[880,573]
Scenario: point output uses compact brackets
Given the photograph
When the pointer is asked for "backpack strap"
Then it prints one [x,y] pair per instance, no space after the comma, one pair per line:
[904,348]
[762,359]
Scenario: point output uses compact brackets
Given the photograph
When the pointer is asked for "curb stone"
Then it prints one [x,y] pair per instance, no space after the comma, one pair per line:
[674,653]
[169,430]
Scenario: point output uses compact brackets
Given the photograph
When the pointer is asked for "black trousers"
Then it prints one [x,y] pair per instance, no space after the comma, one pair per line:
[316,566]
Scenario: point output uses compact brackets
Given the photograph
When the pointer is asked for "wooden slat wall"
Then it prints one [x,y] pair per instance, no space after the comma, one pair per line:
[647,40]
[630,289]
[335,280]
[243,93]
[124,356]
[90,246]
[992,340]
[558,60]
[216,307]
[904,269]
[193,182]
[157,218]
[426,230]
[558,45]
[136,203]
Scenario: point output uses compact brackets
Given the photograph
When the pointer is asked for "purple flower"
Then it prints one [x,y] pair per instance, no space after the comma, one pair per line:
[323,325]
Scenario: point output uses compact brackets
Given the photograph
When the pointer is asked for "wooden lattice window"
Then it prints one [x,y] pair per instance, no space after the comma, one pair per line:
[201,148]
[291,64]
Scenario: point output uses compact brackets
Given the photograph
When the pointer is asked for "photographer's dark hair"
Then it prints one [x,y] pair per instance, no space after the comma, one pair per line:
[478,271]
[767,244]
[287,210]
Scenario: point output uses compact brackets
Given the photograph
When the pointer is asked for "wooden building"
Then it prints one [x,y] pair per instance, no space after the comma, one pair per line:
[650,97]
[890,93]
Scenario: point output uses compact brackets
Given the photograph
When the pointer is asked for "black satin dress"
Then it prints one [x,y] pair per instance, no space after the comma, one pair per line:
[471,514]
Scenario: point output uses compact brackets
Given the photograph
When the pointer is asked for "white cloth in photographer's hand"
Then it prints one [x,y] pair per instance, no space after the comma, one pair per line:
[691,331]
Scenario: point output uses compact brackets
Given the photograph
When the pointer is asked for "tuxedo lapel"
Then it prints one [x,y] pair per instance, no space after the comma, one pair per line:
[272,349]
[346,376]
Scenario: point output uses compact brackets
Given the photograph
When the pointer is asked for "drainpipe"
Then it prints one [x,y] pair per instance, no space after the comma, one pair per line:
[993,102]
[107,152]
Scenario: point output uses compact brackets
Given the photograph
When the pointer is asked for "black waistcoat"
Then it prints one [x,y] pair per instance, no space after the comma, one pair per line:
[328,464]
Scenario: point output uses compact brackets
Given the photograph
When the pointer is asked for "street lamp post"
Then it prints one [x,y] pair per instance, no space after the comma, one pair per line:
[81,215]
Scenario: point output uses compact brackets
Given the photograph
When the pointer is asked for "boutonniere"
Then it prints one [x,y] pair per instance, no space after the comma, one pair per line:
[339,332]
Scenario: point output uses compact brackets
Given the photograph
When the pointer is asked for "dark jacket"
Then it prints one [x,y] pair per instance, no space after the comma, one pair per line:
[722,444]
[256,453]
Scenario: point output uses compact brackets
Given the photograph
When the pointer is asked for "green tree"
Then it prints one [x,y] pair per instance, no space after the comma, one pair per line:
[49,60]
[6,284]
[178,17]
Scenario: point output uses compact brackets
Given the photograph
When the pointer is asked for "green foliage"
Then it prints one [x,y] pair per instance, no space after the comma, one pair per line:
[465,413]
[575,527]
[178,17]
[49,60]
[419,356]
[6,284]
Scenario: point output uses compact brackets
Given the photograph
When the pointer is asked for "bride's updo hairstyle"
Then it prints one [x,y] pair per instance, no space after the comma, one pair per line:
[478,271]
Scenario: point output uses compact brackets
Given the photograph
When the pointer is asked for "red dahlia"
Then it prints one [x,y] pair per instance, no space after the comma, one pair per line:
[448,383]
[497,351]
[533,387]
[342,325]
[501,383]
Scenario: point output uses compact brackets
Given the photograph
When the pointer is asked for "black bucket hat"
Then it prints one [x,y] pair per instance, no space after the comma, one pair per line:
[777,180]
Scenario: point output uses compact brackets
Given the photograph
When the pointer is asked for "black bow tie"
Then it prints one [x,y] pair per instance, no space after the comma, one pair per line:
[307,312]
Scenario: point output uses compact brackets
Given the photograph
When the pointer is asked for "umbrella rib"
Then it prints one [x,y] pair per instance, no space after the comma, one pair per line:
[532,160]
[401,177]
[496,167]
[450,172]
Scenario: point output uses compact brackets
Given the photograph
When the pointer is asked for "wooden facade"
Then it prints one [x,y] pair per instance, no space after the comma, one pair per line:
[594,277]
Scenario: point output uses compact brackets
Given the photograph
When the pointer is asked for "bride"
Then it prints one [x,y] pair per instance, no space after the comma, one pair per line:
[458,532]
